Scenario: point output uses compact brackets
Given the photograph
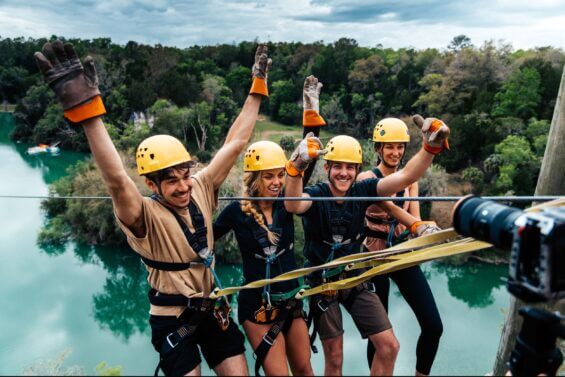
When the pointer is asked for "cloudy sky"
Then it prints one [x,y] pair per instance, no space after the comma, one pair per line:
[392,23]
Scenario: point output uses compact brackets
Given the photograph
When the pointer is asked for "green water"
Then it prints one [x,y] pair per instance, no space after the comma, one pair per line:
[93,300]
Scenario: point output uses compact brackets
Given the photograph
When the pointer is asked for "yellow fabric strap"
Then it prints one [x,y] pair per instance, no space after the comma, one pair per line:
[407,260]
[408,246]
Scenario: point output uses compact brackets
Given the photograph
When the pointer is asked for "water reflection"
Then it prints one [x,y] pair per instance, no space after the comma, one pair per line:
[472,283]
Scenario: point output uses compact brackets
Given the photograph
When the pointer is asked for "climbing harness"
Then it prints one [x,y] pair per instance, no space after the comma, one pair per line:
[287,308]
[195,308]
[277,308]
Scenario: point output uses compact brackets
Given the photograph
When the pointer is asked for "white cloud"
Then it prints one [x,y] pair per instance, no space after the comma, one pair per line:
[419,24]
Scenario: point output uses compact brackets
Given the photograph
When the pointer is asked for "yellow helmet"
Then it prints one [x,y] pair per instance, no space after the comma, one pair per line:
[264,155]
[344,148]
[391,130]
[160,152]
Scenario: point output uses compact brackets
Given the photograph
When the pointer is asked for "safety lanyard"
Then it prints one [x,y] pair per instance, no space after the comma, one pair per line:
[270,253]
[339,221]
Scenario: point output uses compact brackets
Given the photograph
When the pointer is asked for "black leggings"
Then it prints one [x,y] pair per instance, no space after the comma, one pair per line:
[415,289]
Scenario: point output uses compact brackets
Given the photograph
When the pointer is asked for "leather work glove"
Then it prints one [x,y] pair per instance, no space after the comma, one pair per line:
[311,102]
[421,228]
[435,133]
[260,70]
[308,149]
[75,85]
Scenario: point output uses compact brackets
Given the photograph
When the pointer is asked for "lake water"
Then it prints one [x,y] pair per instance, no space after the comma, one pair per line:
[92,301]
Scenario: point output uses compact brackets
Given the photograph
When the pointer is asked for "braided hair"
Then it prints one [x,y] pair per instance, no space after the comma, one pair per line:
[252,188]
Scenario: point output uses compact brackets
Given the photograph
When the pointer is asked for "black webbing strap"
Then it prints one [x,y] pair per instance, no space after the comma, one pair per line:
[196,240]
[169,266]
[283,324]
[176,337]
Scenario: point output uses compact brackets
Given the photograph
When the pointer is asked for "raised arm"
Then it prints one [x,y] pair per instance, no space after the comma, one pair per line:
[435,134]
[303,161]
[76,87]
[242,128]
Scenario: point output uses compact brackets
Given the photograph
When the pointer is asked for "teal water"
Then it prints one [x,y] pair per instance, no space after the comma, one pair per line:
[92,300]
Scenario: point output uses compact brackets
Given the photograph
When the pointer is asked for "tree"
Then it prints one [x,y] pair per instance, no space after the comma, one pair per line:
[518,168]
[364,77]
[459,42]
[520,95]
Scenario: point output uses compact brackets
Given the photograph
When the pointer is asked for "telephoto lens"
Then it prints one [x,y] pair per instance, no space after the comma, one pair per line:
[485,220]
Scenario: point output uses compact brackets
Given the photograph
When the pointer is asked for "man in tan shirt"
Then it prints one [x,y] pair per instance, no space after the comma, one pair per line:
[172,231]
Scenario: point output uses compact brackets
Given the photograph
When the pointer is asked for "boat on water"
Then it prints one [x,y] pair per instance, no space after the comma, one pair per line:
[52,150]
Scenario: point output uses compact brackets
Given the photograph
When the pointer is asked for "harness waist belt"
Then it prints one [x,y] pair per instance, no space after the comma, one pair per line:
[197,303]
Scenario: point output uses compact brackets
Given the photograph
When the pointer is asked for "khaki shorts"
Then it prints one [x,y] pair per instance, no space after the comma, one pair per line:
[365,308]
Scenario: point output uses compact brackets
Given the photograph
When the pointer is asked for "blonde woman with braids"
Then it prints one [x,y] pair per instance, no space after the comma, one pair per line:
[265,234]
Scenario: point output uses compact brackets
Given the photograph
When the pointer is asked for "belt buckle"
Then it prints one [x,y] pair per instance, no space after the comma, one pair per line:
[322,305]
[168,338]
[268,339]
[371,287]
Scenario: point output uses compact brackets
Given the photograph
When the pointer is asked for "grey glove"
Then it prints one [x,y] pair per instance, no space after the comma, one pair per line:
[434,132]
[311,93]
[61,68]
[308,149]
[262,62]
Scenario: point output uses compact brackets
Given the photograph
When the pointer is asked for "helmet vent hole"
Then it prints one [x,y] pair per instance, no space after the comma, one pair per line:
[332,149]
[142,155]
[145,149]
[152,156]
[257,157]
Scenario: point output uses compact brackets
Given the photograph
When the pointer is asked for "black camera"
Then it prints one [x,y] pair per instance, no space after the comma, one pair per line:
[536,241]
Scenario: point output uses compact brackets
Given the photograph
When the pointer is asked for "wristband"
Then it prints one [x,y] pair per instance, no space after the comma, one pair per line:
[436,150]
[292,171]
[414,227]
[92,108]
[259,86]
[312,118]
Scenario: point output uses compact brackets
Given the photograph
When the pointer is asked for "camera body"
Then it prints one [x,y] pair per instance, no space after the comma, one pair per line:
[537,256]
[536,241]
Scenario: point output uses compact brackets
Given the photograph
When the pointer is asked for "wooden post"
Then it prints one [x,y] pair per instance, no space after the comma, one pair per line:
[551,181]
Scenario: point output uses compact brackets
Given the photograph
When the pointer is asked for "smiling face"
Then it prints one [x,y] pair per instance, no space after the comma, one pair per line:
[391,154]
[272,182]
[341,176]
[175,187]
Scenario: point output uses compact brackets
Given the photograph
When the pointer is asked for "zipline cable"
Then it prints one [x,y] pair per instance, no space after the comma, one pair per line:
[543,198]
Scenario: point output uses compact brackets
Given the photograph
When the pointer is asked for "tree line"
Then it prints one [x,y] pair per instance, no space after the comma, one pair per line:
[498,101]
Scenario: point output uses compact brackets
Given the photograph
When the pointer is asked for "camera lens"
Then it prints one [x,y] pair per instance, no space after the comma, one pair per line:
[485,220]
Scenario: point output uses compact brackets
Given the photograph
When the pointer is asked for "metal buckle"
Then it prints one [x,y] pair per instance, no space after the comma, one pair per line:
[268,340]
[322,305]
[371,287]
[169,340]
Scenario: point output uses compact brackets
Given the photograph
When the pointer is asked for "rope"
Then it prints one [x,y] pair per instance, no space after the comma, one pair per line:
[319,199]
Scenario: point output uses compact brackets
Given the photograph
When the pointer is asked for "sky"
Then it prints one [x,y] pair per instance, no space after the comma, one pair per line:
[390,23]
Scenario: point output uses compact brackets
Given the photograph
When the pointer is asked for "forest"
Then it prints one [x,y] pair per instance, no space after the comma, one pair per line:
[498,102]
